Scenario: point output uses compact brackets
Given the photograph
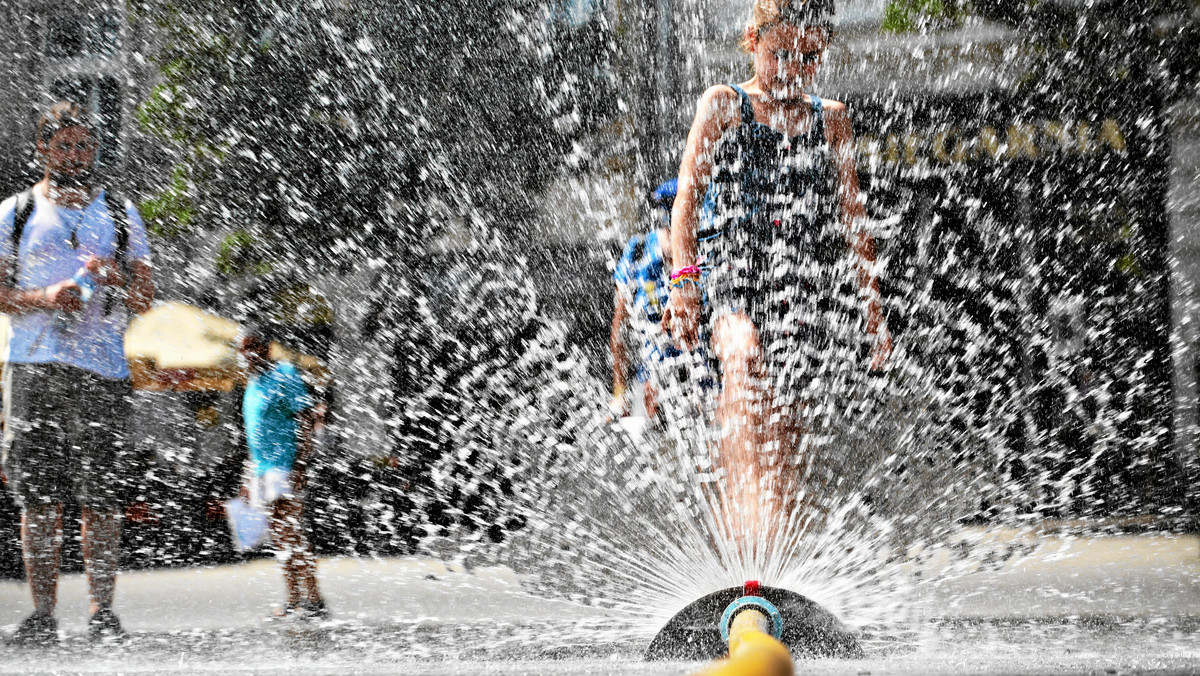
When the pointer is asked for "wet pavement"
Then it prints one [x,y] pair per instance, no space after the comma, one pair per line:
[1063,604]
[1055,576]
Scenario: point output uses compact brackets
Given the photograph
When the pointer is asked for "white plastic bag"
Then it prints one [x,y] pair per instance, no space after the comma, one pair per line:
[247,523]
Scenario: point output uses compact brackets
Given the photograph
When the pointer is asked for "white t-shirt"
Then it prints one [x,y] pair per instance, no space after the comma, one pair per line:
[91,339]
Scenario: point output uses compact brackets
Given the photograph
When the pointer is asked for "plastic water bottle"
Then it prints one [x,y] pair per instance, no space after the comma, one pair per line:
[64,322]
[87,285]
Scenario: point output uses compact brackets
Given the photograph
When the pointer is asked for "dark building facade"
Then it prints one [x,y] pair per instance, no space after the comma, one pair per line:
[88,52]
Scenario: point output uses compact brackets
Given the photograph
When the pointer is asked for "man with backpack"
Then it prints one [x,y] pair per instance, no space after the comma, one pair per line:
[77,263]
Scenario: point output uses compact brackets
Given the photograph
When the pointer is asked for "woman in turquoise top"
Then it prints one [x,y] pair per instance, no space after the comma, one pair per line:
[768,203]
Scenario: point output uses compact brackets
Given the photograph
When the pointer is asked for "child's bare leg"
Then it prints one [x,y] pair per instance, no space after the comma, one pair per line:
[41,540]
[283,535]
[101,533]
[299,565]
[306,562]
[650,398]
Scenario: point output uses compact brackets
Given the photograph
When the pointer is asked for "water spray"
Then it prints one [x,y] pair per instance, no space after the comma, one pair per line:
[758,627]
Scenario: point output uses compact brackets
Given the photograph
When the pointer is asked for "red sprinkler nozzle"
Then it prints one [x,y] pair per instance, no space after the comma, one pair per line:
[750,588]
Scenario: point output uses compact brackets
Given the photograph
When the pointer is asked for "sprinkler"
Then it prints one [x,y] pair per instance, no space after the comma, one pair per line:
[752,625]
[751,609]
[709,627]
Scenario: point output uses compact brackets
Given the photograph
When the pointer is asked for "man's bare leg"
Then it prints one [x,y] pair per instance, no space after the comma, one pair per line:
[41,544]
[101,531]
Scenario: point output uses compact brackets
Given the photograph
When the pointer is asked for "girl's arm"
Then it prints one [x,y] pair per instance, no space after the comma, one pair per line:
[717,111]
[307,420]
[718,108]
[853,215]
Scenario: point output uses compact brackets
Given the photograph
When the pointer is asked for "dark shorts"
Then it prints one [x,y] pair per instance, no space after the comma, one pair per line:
[69,437]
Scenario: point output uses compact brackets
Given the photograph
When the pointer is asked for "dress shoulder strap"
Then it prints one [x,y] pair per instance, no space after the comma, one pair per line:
[747,109]
[818,125]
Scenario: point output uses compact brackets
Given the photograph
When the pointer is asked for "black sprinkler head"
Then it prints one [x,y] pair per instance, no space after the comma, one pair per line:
[807,629]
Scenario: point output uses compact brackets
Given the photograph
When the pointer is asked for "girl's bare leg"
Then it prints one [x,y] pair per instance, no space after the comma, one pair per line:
[757,441]
[650,399]
[41,540]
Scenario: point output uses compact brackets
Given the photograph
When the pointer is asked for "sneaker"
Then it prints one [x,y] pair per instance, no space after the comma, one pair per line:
[314,610]
[283,612]
[104,626]
[36,631]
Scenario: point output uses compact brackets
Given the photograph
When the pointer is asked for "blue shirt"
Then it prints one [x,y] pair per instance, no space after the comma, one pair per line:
[644,274]
[270,409]
[91,339]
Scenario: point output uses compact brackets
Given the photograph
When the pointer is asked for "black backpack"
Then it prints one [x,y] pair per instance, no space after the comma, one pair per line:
[116,209]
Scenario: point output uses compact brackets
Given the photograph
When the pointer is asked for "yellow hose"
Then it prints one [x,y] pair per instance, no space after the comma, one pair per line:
[752,649]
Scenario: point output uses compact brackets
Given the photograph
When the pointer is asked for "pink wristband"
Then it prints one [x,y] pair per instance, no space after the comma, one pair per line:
[685,272]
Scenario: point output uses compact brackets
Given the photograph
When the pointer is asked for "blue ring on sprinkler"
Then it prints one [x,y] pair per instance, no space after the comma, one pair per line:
[746,601]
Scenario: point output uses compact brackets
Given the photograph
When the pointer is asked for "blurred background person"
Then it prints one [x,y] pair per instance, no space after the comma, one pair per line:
[642,290]
[280,413]
[77,265]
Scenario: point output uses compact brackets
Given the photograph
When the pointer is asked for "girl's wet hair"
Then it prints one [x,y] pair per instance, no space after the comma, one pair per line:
[60,116]
[800,13]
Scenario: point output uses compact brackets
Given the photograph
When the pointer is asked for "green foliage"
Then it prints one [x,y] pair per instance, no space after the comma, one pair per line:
[356,128]
[907,16]
[242,253]
[1127,50]
[1128,264]
[298,305]
[171,212]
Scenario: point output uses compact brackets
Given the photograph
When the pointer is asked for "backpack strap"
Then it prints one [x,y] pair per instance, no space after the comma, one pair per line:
[116,211]
[747,108]
[23,210]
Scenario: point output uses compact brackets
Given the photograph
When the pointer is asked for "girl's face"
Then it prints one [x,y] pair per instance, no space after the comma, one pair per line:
[786,58]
